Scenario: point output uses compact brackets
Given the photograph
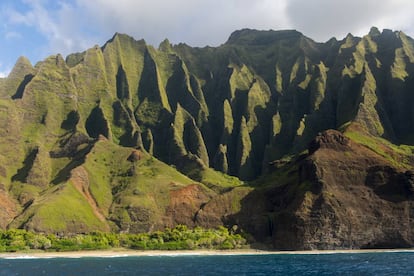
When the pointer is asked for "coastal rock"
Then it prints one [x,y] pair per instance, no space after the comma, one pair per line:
[361,200]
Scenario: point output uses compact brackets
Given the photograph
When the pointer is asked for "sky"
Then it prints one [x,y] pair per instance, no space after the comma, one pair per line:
[39,28]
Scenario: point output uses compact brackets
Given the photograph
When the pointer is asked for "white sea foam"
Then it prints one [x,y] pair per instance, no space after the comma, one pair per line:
[116,256]
[109,254]
[22,257]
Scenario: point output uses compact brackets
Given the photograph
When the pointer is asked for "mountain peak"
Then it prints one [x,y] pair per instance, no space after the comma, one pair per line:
[255,37]
[123,38]
[374,31]
[22,67]
[165,46]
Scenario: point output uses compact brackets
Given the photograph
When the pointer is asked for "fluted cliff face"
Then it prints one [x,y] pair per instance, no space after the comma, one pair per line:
[242,109]
[257,97]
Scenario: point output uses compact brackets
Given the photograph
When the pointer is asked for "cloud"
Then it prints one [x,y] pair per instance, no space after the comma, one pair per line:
[74,25]
[67,26]
[60,23]
[4,72]
[196,22]
[322,19]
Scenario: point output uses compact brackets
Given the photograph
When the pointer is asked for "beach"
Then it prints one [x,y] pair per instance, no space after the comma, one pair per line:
[209,262]
[131,253]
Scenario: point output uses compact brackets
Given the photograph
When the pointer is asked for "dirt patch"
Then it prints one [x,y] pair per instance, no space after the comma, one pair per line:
[185,203]
[80,180]
[8,209]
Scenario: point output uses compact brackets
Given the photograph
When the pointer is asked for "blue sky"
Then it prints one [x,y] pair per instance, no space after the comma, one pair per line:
[39,28]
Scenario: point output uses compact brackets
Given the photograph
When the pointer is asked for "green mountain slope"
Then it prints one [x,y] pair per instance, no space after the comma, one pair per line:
[131,138]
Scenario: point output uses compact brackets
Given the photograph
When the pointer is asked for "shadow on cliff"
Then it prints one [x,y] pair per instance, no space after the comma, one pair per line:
[268,212]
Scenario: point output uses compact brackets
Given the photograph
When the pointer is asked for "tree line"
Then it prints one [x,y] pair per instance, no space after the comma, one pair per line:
[178,238]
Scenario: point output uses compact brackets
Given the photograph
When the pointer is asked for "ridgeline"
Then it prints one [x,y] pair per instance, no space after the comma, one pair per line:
[302,145]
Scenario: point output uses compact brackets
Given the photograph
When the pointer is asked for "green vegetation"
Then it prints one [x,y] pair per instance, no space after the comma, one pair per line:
[121,137]
[178,238]
[244,152]
[59,210]
[397,155]
[284,173]
[187,138]
[215,180]
[398,69]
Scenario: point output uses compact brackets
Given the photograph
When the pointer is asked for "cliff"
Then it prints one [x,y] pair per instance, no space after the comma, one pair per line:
[301,144]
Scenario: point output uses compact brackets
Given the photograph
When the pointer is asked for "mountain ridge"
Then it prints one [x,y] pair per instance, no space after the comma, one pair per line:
[197,123]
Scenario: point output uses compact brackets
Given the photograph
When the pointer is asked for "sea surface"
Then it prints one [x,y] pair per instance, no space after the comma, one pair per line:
[385,263]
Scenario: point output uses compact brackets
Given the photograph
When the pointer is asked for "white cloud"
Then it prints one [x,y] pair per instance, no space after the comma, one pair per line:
[322,19]
[75,25]
[61,26]
[196,22]
[4,72]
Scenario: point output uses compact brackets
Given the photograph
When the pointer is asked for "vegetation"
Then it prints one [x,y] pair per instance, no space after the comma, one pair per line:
[398,155]
[124,137]
[178,238]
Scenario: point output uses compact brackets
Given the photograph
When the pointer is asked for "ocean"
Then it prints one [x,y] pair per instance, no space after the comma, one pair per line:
[384,263]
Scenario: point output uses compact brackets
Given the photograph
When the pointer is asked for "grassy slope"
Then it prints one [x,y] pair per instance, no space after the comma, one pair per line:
[398,155]
[115,183]
[60,209]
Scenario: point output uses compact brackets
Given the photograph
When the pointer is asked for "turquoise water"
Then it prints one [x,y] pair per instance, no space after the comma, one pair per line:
[395,263]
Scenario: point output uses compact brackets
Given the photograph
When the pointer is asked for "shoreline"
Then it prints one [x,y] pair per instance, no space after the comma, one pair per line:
[117,253]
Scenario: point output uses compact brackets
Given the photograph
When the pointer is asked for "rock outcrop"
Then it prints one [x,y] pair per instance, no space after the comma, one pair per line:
[340,195]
